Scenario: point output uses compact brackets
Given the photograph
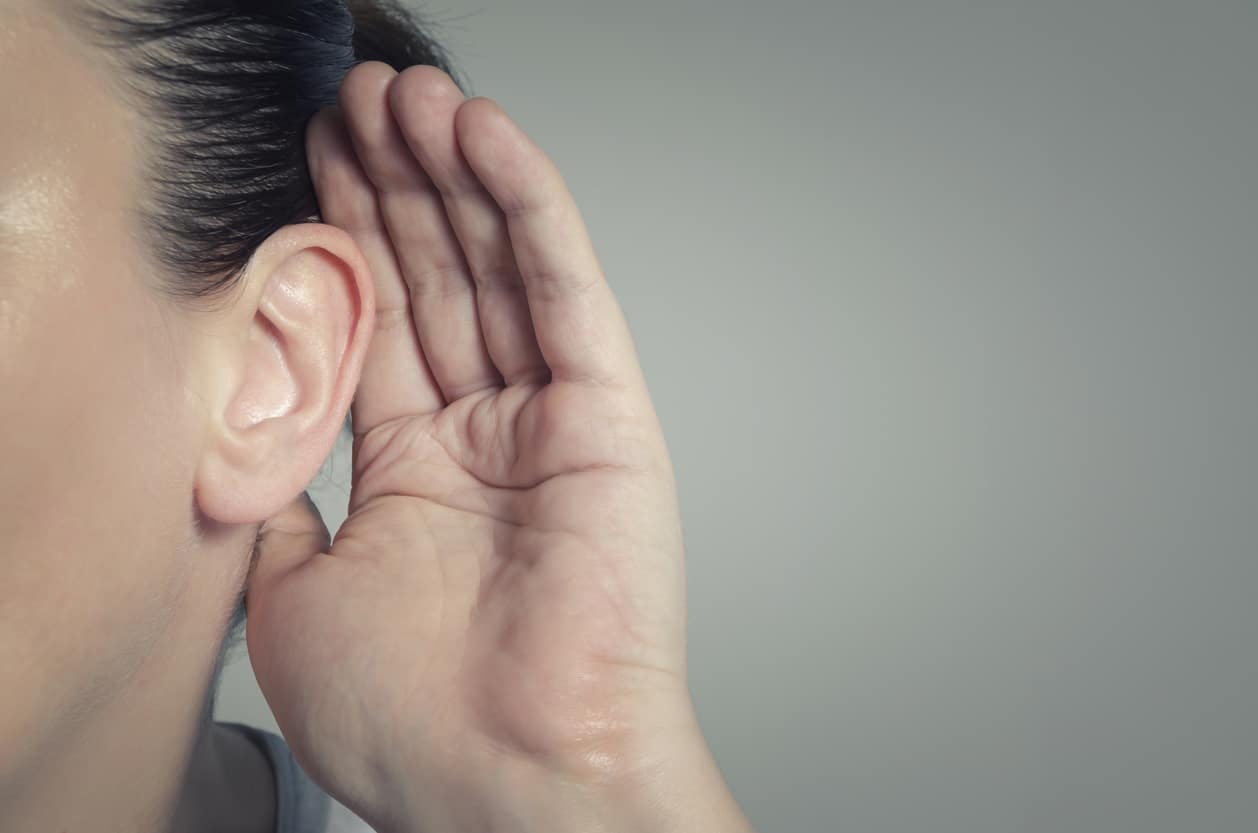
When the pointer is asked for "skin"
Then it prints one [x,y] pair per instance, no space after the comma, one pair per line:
[496,638]
[124,417]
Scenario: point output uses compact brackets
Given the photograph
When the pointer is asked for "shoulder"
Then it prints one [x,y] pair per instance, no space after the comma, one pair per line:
[342,820]
[301,805]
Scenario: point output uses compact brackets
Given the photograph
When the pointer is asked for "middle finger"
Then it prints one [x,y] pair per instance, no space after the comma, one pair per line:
[442,292]
[424,101]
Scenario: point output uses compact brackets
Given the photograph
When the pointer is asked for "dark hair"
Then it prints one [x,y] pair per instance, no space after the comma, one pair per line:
[225,89]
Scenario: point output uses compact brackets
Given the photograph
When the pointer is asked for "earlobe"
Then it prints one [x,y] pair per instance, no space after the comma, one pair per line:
[286,362]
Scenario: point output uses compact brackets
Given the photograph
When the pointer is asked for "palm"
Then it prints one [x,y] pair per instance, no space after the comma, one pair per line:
[532,606]
[512,528]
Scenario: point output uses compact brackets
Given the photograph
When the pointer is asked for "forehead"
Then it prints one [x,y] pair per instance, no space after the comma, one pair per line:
[64,149]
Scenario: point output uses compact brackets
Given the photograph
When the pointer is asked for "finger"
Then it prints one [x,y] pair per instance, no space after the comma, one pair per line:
[284,543]
[442,293]
[395,380]
[424,101]
[580,327]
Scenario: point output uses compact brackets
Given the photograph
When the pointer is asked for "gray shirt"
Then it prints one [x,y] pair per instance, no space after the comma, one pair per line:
[301,806]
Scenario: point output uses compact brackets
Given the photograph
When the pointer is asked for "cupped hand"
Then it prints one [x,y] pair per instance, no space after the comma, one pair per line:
[500,619]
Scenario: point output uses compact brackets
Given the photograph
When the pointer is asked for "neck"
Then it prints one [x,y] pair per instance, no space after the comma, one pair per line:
[145,757]
[122,766]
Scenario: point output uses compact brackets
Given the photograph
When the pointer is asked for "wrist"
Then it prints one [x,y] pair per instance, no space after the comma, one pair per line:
[678,789]
[669,783]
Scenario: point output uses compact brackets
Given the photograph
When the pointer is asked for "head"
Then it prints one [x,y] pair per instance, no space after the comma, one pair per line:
[180,334]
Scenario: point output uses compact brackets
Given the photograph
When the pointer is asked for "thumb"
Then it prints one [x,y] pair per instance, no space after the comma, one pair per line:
[285,542]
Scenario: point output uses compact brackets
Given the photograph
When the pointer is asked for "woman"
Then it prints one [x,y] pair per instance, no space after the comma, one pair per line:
[495,640]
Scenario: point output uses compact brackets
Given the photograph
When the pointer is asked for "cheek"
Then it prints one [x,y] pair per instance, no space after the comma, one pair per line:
[95,472]
[96,450]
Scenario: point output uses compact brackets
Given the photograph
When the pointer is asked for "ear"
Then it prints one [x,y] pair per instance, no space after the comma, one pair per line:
[279,371]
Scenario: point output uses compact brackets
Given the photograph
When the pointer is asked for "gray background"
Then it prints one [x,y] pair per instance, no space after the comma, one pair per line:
[948,312]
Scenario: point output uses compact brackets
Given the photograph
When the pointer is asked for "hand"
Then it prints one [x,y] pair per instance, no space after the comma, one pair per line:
[498,630]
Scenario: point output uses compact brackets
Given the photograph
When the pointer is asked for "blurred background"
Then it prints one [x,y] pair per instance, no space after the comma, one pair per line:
[948,309]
